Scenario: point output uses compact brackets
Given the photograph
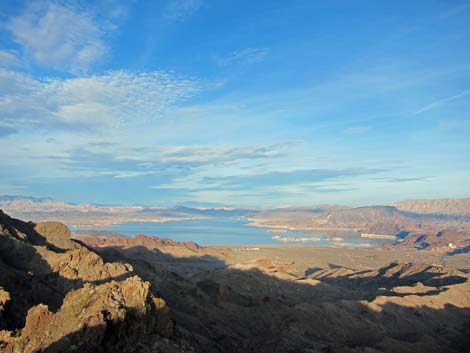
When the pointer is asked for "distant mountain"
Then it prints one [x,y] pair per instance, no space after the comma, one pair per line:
[220,212]
[442,206]
[405,220]
[431,230]
[90,215]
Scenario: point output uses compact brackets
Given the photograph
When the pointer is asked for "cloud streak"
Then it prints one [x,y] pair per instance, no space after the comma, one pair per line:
[286,178]
[139,161]
[403,180]
[6,130]
[119,161]
[243,56]
[441,102]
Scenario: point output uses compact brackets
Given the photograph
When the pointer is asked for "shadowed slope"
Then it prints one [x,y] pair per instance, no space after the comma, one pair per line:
[59,296]
[262,306]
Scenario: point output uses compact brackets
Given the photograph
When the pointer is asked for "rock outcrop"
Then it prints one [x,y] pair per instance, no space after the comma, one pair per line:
[94,239]
[57,295]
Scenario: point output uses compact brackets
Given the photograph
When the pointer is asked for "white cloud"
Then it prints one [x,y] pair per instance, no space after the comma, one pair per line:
[114,98]
[178,10]
[243,56]
[61,37]
[9,58]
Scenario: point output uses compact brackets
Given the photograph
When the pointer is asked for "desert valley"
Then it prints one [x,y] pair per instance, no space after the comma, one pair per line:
[97,291]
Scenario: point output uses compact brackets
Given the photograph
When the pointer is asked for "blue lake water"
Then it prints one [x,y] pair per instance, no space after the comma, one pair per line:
[228,231]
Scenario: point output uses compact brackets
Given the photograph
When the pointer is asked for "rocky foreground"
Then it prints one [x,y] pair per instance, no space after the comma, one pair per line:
[142,294]
[56,295]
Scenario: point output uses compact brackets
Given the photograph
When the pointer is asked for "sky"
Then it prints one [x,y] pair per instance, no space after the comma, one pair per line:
[235,103]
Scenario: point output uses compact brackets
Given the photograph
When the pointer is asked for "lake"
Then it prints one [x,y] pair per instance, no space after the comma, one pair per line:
[229,231]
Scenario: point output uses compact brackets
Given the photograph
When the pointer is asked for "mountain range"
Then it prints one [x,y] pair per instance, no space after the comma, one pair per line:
[433,224]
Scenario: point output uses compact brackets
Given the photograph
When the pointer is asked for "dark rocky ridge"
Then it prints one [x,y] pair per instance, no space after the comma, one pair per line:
[56,295]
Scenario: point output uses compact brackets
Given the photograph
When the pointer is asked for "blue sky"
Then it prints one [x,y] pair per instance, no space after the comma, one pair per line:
[236,103]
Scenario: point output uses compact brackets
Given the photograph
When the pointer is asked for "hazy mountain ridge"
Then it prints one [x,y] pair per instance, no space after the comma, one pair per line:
[420,223]
[45,209]
[440,206]
[433,231]
[361,218]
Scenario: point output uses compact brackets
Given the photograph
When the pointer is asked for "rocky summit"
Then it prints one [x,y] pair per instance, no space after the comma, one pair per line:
[111,293]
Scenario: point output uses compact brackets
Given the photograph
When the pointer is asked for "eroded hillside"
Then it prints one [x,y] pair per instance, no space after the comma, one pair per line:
[145,294]
[56,295]
[276,304]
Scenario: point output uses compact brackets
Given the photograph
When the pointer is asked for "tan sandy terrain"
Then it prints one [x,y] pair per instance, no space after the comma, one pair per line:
[304,257]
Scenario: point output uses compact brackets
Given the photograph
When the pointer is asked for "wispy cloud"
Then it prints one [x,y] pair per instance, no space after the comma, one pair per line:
[440,102]
[9,58]
[138,161]
[403,179]
[217,155]
[53,160]
[283,178]
[113,98]
[6,130]
[243,56]
[60,36]
[178,10]
[357,129]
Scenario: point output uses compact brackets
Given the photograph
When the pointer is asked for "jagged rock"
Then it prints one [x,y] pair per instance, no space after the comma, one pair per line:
[60,296]
[56,234]
[106,318]
[4,298]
